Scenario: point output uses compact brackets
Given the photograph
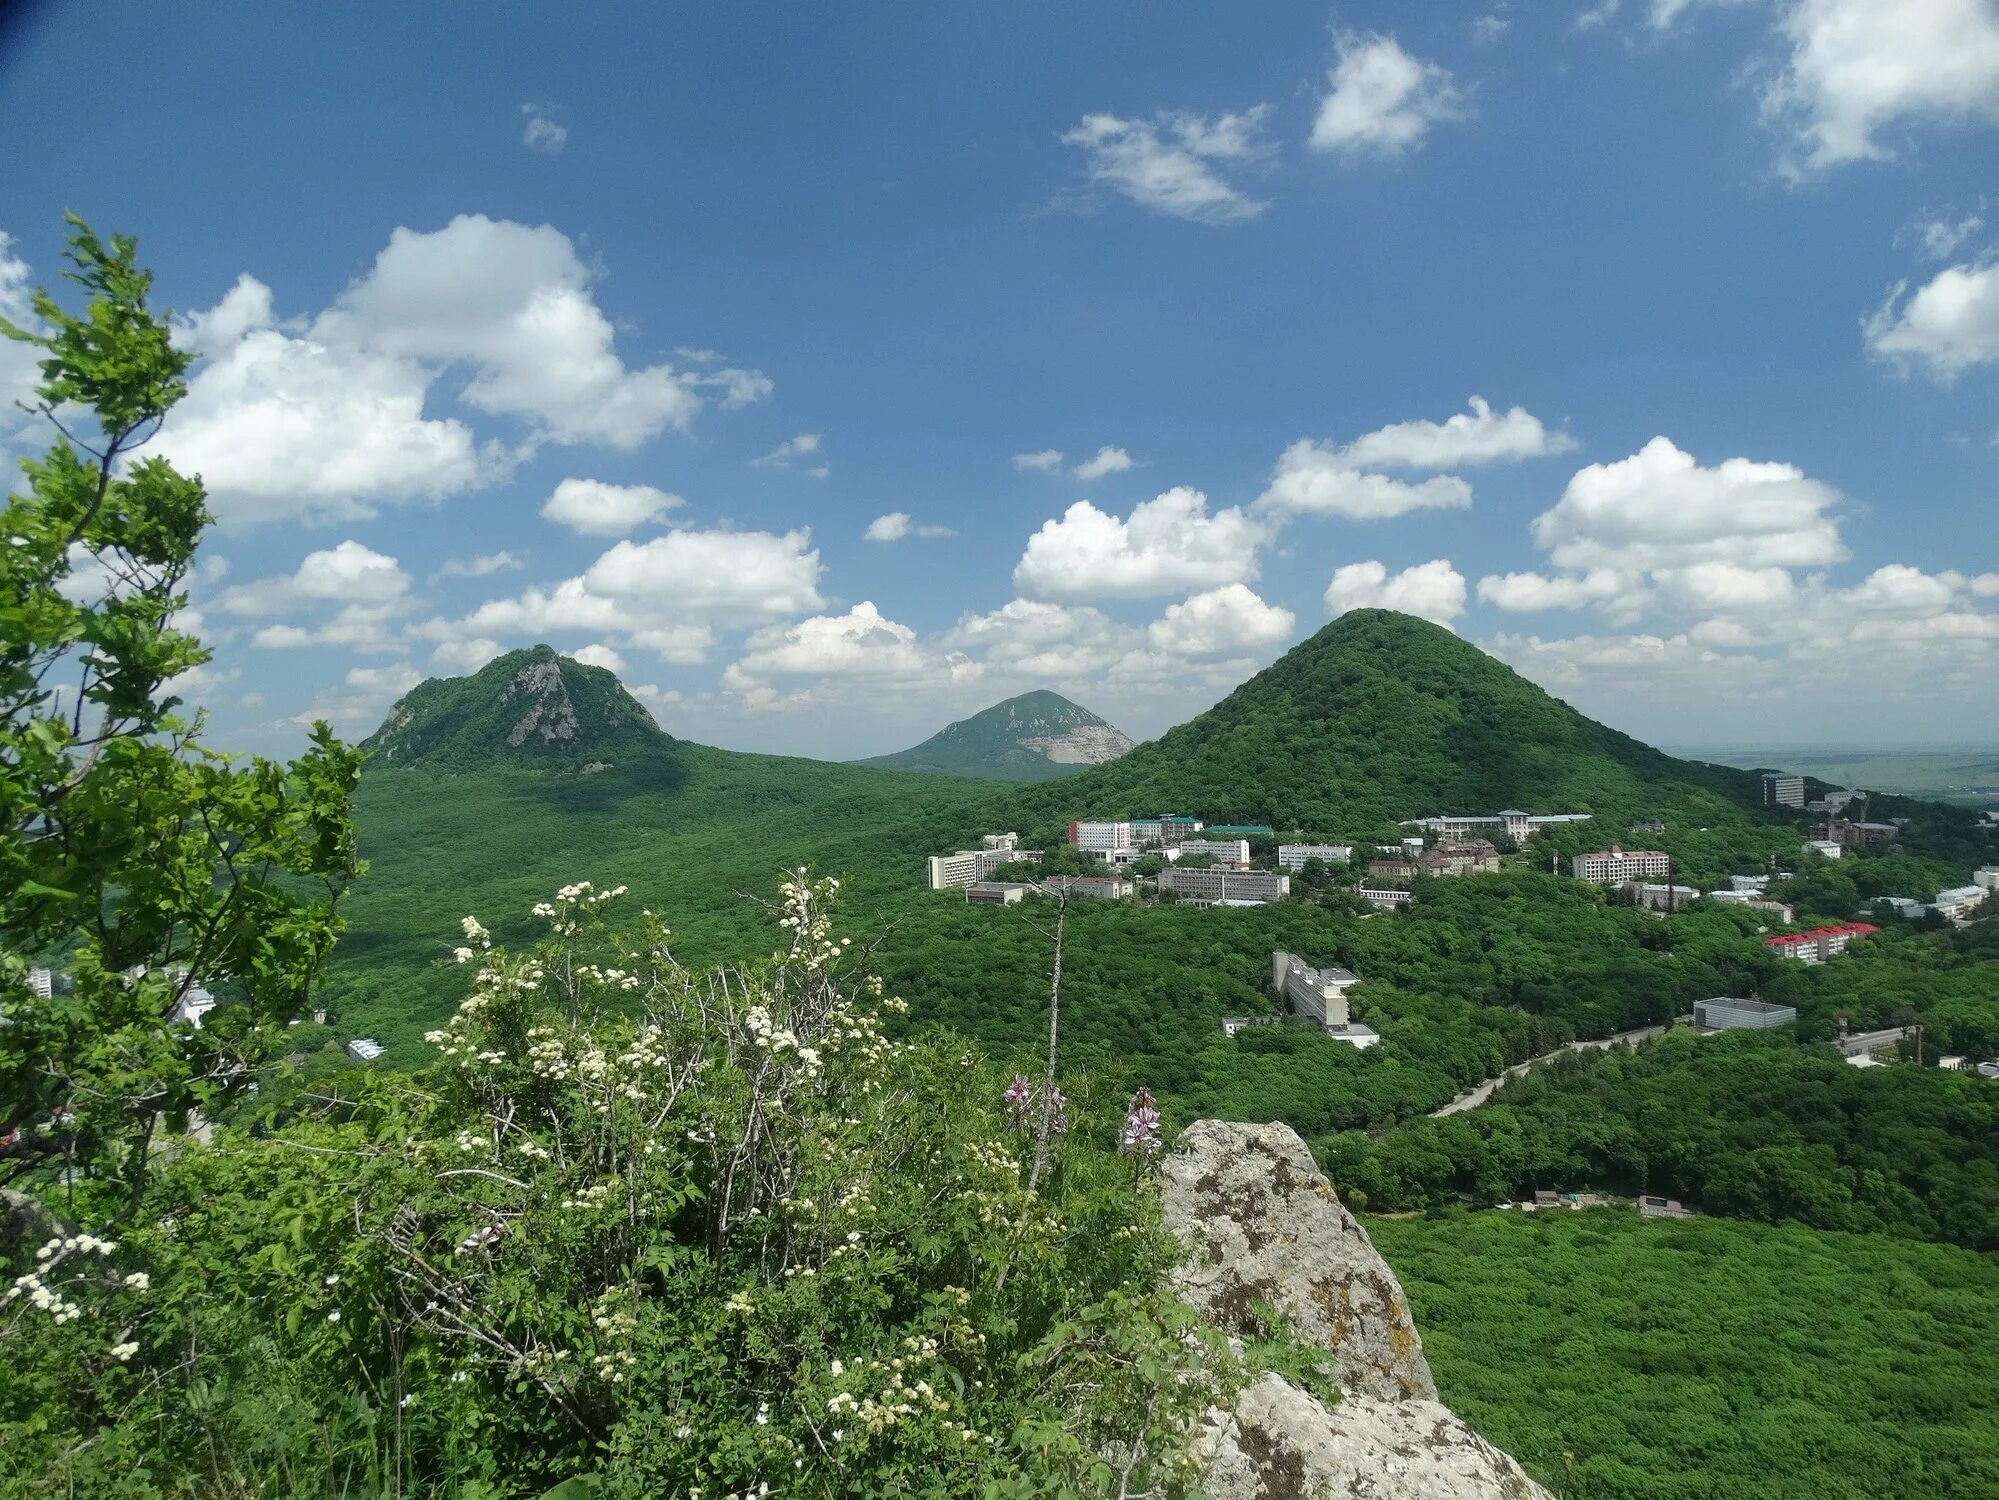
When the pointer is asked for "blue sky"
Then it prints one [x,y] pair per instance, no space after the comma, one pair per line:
[1650,346]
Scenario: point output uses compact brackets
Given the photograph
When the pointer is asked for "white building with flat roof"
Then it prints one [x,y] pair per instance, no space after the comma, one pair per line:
[1615,866]
[1382,898]
[41,983]
[1664,897]
[1515,824]
[1293,856]
[1229,851]
[969,866]
[1218,884]
[1825,848]
[364,1049]
[1780,789]
[1958,901]
[1095,837]
[1741,1015]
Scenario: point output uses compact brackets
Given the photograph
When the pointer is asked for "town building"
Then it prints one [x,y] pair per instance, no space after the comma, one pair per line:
[1821,943]
[1831,804]
[1783,790]
[1095,837]
[1089,887]
[1648,825]
[1850,835]
[1753,900]
[1652,1206]
[996,893]
[1872,1049]
[194,1003]
[1320,995]
[1392,867]
[1384,898]
[41,983]
[969,866]
[1459,857]
[1228,851]
[364,1049]
[1824,848]
[1959,901]
[1749,882]
[1293,856]
[1516,825]
[1166,830]
[1663,897]
[1986,877]
[1232,1024]
[1615,866]
[1000,841]
[1908,908]
[1741,1015]
[1216,884]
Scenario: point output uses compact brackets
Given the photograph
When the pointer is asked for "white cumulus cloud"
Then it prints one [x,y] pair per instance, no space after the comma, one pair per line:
[1478,436]
[1660,509]
[598,509]
[349,573]
[1168,544]
[1432,590]
[1220,622]
[1046,461]
[1949,325]
[1106,460]
[1521,593]
[541,132]
[1383,101]
[896,525]
[1857,67]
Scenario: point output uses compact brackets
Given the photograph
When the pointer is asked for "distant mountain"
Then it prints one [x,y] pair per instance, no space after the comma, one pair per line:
[1380,717]
[1032,737]
[528,708]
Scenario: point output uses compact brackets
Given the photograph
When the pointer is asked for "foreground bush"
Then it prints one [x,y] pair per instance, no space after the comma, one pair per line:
[677,1233]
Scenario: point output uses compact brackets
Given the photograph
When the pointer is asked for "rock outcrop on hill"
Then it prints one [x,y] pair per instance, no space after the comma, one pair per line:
[1260,1225]
[1027,738]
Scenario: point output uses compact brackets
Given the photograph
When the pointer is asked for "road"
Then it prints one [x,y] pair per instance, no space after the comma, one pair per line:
[1472,1098]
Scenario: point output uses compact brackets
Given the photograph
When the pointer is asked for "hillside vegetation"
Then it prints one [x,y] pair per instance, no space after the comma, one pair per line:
[1034,737]
[1625,1359]
[1381,716]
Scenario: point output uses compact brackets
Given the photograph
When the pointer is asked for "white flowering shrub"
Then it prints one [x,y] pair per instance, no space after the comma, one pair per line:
[672,1233]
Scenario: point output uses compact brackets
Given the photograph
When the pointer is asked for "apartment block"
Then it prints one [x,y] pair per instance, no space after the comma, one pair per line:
[1217,884]
[968,866]
[1615,866]
[1293,856]
[1820,944]
[1783,790]
[1384,898]
[1096,837]
[1664,897]
[1090,887]
[996,893]
[1228,851]
[1958,901]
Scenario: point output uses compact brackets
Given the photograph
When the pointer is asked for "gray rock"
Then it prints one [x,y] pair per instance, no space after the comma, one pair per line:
[1282,1444]
[1259,1223]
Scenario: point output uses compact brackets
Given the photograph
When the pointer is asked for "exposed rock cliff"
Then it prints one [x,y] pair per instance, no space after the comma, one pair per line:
[1029,738]
[1260,1224]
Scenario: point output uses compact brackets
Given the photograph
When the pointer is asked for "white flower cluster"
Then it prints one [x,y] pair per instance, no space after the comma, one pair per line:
[597,1195]
[898,1395]
[566,912]
[805,902]
[34,1286]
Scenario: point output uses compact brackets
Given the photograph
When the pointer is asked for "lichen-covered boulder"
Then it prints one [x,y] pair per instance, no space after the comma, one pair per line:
[1258,1222]
[1281,1443]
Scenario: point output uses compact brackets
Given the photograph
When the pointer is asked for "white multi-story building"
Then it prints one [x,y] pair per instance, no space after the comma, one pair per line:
[1825,848]
[1986,878]
[1000,841]
[42,983]
[1749,883]
[1095,838]
[1515,824]
[193,1004]
[1320,995]
[1293,856]
[1753,900]
[1218,884]
[364,1049]
[1958,901]
[1615,866]
[1782,790]
[969,866]
[995,893]
[1228,851]
[1093,887]
[1665,897]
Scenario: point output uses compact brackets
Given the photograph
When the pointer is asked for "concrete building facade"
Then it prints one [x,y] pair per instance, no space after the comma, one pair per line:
[1293,856]
[1615,866]
[1725,1014]
[1217,884]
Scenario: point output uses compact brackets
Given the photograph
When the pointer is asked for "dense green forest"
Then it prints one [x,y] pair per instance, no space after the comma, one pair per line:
[1625,1359]
[1746,1124]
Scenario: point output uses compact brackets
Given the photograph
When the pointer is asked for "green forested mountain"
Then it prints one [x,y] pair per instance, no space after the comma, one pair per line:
[1034,737]
[526,708]
[1382,716]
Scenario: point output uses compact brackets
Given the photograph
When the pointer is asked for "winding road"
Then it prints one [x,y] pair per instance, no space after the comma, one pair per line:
[1472,1098]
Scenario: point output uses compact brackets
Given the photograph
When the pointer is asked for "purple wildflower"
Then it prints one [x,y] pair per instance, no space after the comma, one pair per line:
[1019,1098]
[1141,1126]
